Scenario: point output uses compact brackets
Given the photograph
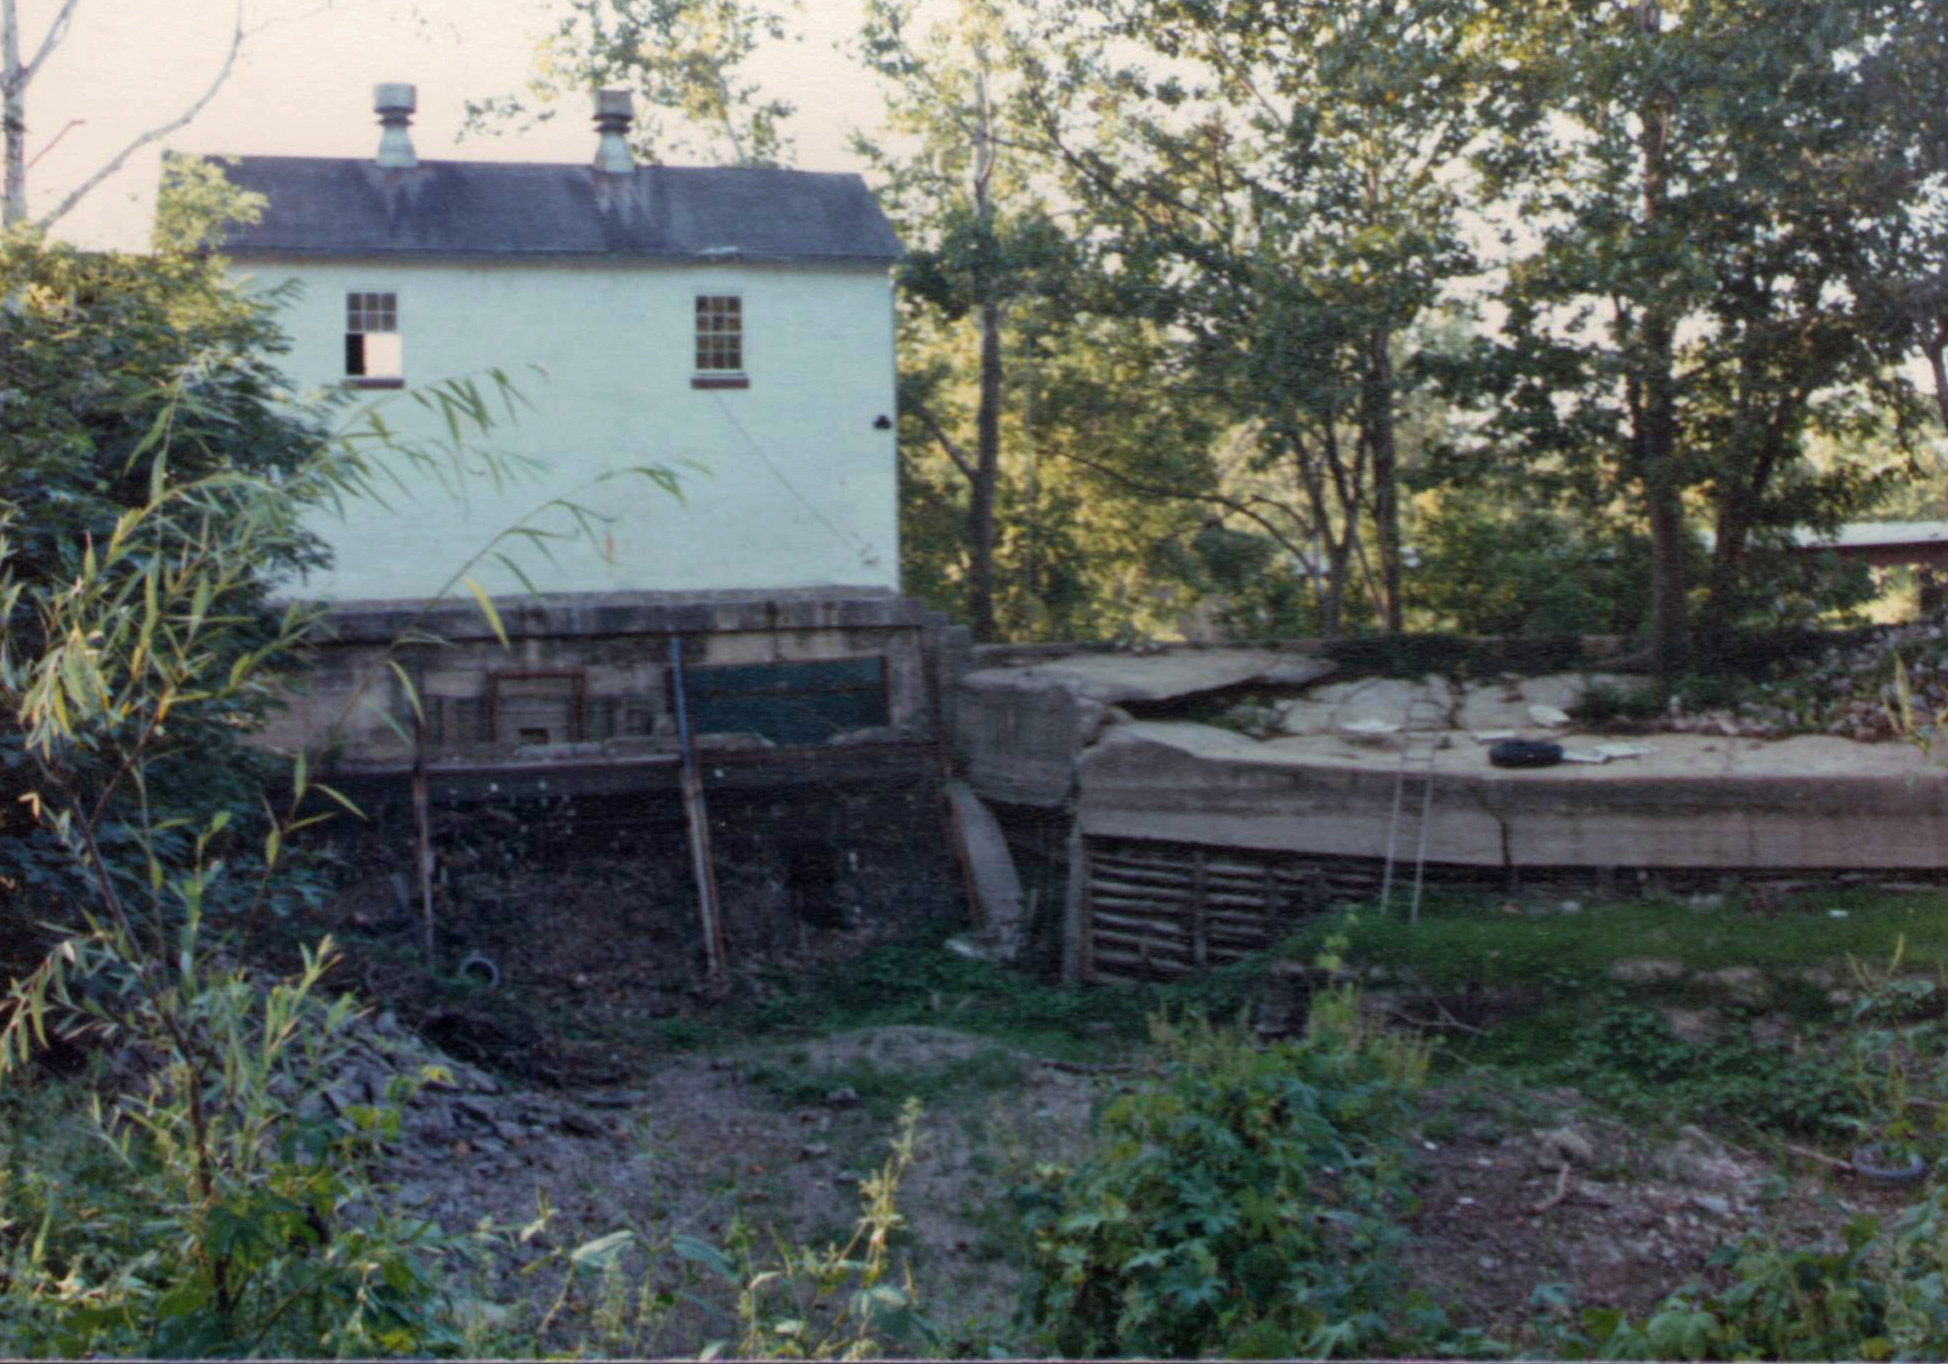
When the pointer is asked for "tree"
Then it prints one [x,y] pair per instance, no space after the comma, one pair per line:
[92,340]
[121,377]
[1014,382]
[683,58]
[153,493]
[17,75]
[1708,201]
[1276,184]
[971,255]
[1905,76]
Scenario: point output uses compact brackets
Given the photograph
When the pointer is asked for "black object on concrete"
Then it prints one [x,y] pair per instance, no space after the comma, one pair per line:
[1525,753]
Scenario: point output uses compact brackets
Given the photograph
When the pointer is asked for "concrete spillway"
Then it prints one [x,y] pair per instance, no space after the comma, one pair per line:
[1693,803]
[1195,842]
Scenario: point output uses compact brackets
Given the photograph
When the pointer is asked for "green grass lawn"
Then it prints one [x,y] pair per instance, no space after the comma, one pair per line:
[1463,940]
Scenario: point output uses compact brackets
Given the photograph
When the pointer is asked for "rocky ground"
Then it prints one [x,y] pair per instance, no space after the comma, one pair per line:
[1515,1189]
[1536,1188]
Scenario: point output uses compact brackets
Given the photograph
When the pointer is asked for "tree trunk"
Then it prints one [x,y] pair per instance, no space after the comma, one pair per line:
[13,117]
[987,473]
[1339,569]
[1656,434]
[1376,416]
[1732,529]
[1933,350]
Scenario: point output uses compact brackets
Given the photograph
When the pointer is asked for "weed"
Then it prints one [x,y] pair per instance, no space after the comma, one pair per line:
[1243,1199]
[1627,1058]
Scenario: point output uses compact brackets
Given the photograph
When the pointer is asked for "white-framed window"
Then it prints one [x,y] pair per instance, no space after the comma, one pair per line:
[374,355]
[719,342]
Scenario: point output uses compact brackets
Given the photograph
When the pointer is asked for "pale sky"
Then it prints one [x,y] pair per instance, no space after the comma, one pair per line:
[303,84]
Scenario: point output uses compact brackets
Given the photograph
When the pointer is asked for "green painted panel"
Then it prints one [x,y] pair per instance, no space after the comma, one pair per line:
[788,703]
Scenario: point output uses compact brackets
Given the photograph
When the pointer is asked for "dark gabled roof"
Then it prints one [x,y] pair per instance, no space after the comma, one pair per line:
[331,206]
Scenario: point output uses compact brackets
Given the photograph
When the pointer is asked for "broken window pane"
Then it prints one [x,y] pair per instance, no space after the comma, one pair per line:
[373,348]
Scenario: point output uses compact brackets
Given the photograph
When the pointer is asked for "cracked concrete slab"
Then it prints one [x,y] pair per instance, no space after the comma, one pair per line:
[1696,802]
[1118,679]
[1424,705]
[1046,734]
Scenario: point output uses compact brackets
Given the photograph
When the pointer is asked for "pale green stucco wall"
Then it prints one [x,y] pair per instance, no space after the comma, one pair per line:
[797,489]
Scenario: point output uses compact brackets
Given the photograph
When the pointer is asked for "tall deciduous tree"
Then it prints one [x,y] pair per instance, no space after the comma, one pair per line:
[686,61]
[1707,198]
[981,242]
[1278,184]
[1905,75]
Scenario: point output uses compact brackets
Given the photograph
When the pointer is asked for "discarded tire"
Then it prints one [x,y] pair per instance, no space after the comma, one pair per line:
[479,966]
[1885,1167]
[1525,753]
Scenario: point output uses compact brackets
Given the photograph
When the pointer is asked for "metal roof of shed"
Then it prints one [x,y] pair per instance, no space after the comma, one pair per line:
[341,206]
[1876,535]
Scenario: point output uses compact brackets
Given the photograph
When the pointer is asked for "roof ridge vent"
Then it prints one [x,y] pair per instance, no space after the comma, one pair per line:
[394,102]
[615,110]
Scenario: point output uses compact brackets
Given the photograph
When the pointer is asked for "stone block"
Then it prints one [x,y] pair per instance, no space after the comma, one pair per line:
[1019,738]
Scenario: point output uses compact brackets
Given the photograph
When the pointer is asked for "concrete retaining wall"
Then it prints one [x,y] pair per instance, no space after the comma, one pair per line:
[1698,803]
[586,668]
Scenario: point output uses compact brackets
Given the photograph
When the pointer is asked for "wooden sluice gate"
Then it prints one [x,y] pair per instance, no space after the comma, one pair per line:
[1153,911]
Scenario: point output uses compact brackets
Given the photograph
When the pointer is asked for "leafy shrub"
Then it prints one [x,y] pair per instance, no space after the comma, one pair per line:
[1878,1297]
[205,1215]
[1626,1057]
[1241,1197]
[1486,570]
[153,498]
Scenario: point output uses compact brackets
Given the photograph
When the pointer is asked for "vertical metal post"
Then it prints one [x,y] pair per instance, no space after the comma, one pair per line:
[1073,926]
[423,840]
[698,822]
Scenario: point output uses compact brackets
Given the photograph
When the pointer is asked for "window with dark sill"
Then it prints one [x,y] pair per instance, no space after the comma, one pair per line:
[374,355]
[719,342]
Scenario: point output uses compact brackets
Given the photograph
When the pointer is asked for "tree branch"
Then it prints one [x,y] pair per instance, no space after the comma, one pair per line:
[1215,499]
[56,32]
[934,429]
[156,133]
[1934,349]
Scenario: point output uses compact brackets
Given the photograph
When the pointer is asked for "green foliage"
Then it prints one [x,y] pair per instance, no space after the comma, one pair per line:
[919,979]
[212,1215]
[1488,569]
[1628,1058]
[684,60]
[1475,938]
[1288,229]
[1879,1297]
[1673,340]
[140,416]
[157,494]
[1028,496]
[108,360]
[233,1236]
[1604,704]
[1239,1197]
